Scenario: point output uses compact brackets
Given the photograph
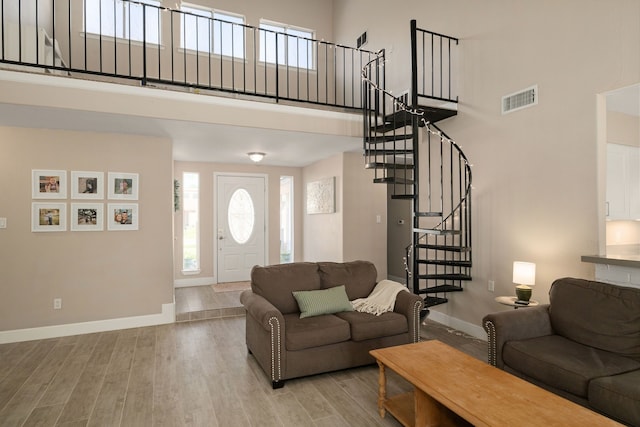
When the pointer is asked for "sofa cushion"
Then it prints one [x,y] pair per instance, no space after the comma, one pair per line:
[359,277]
[562,363]
[276,283]
[322,301]
[314,331]
[575,303]
[365,326]
[618,395]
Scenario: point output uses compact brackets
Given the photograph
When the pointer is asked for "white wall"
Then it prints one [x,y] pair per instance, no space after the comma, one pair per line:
[535,176]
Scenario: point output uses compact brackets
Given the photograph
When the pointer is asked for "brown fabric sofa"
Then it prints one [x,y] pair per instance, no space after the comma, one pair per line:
[287,346]
[584,345]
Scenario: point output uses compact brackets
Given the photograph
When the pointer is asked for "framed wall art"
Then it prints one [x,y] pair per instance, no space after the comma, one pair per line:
[87,185]
[87,217]
[48,217]
[123,186]
[48,184]
[122,216]
[321,197]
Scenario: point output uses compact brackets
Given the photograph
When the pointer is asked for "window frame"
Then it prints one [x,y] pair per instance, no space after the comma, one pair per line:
[262,55]
[185,223]
[125,34]
[215,18]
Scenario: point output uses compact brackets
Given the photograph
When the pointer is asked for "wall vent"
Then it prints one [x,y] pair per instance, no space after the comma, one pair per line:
[519,100]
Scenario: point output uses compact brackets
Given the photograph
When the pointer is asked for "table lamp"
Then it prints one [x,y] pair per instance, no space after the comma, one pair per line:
[524,276]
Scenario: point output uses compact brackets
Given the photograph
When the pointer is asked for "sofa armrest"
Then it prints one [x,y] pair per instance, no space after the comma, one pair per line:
[260,309]
[513,325]
[410,306]
[264,334]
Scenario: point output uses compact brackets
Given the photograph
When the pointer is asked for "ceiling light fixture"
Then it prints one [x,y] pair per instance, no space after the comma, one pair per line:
[256,156]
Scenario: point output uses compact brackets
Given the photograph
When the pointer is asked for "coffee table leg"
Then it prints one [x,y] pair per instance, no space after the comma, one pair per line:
[382,389]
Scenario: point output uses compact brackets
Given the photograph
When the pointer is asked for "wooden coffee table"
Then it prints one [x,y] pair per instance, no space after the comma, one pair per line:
[452,388]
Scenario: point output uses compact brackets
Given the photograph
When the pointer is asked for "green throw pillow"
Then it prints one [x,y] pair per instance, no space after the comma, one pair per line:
[323,301]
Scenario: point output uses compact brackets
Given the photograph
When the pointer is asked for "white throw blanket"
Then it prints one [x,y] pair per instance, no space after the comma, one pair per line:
[381,299]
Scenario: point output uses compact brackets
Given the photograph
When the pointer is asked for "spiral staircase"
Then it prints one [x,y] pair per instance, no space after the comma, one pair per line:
[408,152]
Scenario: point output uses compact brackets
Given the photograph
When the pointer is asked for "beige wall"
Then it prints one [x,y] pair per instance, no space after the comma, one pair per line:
[364,236]
[535,179]
[99,275]
[207,217]
[323,233]
[352,231]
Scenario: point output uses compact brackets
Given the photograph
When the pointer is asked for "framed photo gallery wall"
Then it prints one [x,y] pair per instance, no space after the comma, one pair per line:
[86,212]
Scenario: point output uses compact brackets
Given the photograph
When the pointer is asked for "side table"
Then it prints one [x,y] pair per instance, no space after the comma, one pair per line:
[511,301]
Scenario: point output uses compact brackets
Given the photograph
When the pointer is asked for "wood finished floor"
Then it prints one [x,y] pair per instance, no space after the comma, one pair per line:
[185,374]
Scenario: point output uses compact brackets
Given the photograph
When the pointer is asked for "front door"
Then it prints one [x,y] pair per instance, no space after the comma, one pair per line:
[240,225]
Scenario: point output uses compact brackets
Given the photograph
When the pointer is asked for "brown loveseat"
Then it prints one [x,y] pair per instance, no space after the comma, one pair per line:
[584,345]
[287,346]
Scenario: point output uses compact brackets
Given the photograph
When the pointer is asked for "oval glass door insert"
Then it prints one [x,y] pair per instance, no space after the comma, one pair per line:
[241,216]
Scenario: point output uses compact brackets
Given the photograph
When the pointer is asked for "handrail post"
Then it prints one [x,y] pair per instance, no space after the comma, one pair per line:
[144,44]
[277,71]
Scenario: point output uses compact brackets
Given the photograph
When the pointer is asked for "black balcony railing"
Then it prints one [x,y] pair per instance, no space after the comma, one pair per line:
[435,60]
[122,39]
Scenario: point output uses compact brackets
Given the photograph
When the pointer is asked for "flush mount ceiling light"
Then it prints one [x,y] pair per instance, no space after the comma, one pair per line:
[256,156]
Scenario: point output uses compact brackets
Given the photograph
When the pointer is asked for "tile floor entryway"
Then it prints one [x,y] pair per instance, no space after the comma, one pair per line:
[201,302]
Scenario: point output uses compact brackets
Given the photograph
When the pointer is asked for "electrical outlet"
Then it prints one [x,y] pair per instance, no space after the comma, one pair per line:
[57,303]
[491,286]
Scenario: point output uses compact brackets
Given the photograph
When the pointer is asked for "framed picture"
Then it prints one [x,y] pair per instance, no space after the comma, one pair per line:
[48,217]
[87,185]
[321,197]
[122,216]
[123,186]
[87,217]
[48,184]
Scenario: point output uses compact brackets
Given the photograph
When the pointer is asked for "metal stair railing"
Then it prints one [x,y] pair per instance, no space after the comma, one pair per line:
[440,253]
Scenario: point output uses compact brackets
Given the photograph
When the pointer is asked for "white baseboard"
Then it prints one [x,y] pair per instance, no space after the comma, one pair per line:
[196,281]
[466,327]
[168,315]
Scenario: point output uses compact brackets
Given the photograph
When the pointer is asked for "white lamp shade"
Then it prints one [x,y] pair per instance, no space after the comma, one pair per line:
[524,273]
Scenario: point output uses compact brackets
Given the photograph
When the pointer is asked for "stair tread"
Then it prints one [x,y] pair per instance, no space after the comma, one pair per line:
[445,276]
[428,214]
[449,248]
[453,262]
[387,138]
[392,180]
[402,196]
[384,165]
[440,289]
[372,151]
[432,301]
[435,231]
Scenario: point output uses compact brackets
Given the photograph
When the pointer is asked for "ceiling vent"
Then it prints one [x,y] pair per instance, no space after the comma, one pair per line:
[519,100]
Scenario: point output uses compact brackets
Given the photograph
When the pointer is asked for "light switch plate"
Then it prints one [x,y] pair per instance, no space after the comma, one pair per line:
[3,222]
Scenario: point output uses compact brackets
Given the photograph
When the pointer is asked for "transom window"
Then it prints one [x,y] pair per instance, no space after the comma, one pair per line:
[208,31]
[285,45]
[123,19]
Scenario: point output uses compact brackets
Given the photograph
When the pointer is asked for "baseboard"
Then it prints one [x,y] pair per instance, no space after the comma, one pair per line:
[196,281]
[168,315]
[466,327]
